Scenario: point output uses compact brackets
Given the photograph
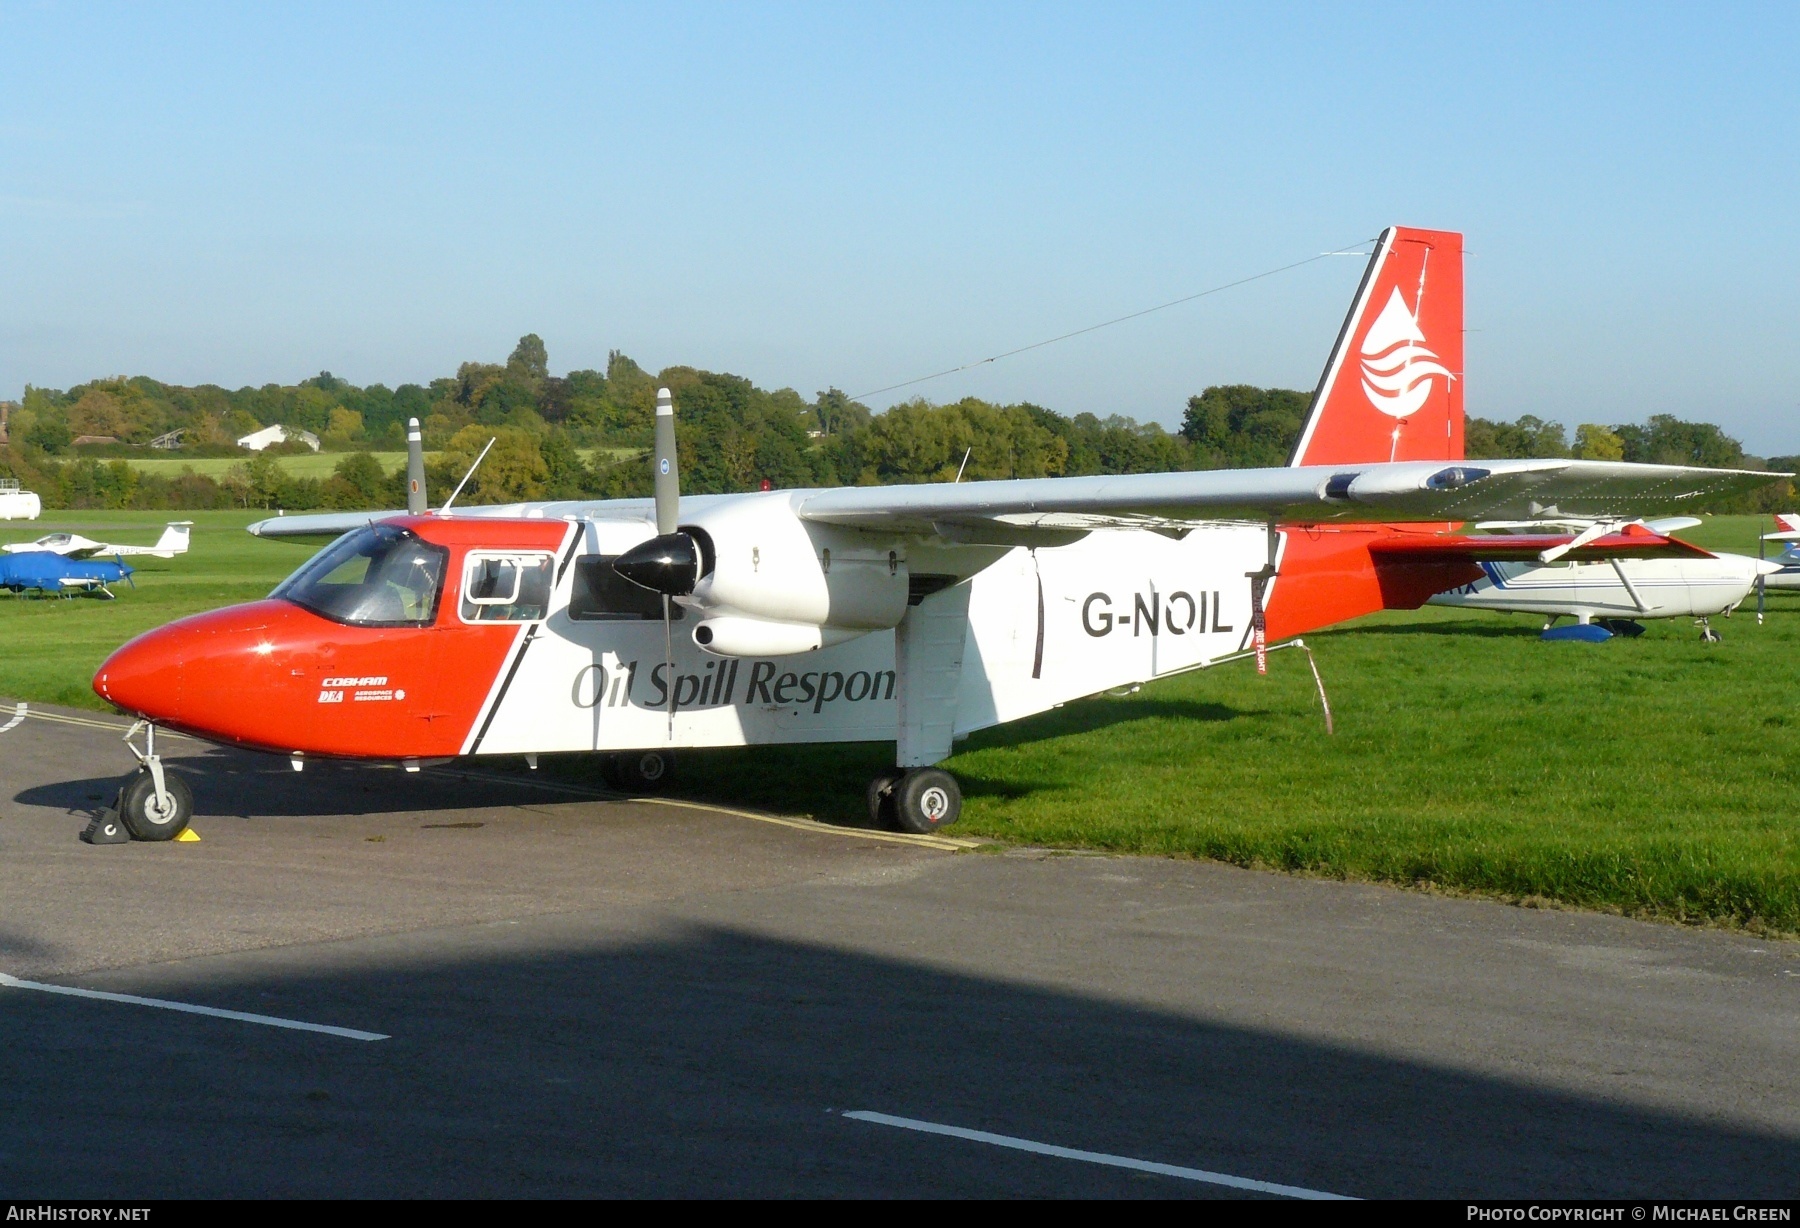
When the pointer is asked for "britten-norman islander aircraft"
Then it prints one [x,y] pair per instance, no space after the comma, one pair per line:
[912,613]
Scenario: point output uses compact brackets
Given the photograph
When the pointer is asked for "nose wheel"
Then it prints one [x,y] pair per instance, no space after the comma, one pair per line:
[154,804]
[153,810]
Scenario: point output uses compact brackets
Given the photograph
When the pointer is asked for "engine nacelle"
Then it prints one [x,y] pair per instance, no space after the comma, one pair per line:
[772,574]
[758,637]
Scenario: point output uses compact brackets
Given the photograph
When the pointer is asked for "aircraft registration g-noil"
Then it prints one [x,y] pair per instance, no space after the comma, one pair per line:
[915,614]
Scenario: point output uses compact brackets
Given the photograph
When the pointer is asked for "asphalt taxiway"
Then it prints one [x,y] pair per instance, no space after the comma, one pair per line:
[584,996]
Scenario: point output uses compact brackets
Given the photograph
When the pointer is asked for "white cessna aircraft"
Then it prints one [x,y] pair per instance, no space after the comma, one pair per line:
[1608,598]
[174,541]
[1787,563]
[915,614]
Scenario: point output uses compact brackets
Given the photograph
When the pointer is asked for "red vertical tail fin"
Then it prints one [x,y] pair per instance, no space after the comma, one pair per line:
[1392,389]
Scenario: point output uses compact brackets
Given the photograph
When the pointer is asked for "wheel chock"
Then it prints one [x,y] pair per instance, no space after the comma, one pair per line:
[188,836]
[106,829]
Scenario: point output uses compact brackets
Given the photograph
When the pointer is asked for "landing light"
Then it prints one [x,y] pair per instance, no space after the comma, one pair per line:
[1455,476]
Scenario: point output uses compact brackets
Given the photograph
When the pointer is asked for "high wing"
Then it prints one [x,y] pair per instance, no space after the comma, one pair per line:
[1011,512]
[1051,510]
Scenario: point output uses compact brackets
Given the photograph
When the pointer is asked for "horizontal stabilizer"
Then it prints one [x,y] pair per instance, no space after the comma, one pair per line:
[1632,542]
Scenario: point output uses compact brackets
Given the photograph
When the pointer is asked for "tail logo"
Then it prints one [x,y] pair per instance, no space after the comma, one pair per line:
[1397,368]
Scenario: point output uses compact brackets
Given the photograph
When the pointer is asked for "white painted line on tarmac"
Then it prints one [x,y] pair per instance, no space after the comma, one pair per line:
[17,720]
[1096,1157]
[270,1021]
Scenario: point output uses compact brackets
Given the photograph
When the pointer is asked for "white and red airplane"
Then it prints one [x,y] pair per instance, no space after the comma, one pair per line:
[174,541]
[911,613]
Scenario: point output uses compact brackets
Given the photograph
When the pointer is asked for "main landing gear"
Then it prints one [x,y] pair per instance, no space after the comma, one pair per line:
[153,803]
[640,771]
[918,800]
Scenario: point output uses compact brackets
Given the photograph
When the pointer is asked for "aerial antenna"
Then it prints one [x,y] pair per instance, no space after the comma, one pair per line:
[964,465]
[466,477]
[1347,250]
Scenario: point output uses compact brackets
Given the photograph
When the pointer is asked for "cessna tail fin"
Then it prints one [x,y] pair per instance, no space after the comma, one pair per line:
[1392,389]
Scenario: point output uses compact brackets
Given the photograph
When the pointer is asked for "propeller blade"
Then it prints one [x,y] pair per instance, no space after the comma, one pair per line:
[415,470]
[669,661]
[668,473]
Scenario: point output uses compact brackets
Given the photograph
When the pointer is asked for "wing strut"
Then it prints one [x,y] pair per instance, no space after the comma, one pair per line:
[1618,566]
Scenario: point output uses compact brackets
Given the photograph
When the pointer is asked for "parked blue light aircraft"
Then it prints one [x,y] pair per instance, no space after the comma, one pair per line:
[48,572]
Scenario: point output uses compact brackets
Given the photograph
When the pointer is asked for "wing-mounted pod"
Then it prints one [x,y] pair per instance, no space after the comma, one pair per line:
[775,585]
[764,582]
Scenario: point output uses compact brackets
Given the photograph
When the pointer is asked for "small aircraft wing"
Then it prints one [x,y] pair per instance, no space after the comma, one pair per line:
[317,526]
[1008,512]
[324,526]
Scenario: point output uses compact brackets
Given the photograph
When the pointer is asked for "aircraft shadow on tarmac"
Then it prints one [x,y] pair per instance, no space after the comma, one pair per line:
[245,785]
[824,780]
[548,1059]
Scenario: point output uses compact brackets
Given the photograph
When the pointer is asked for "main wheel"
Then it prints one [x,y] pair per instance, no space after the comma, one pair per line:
[644,771]
[147,819]
[926,800]
[881,798]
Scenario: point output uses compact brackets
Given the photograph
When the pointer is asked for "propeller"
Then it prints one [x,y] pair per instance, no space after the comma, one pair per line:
[669,563]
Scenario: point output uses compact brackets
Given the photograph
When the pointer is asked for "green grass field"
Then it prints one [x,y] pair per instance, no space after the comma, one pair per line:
[1655,777]
[307,465]
[319,464]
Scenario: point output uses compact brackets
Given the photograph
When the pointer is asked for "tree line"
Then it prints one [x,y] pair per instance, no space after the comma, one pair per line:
[584,435]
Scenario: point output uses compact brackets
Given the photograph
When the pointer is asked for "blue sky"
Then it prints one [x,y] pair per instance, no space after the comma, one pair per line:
[853,195]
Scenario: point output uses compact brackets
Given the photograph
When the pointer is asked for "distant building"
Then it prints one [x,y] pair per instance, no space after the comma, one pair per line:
[6,410]
[258,440]
[83,440]
[169,441]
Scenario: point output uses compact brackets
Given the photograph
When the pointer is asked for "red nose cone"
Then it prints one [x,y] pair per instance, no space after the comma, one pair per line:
[169,674]
[144,677]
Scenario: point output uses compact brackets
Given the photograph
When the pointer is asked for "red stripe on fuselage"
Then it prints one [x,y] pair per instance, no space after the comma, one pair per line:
[273,676]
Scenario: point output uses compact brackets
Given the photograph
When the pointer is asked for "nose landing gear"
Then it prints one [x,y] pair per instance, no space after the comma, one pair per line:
[918,800]
[153,804]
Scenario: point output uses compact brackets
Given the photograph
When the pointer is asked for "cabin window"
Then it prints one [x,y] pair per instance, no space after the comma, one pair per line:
[377,576]
[506,588]
[602,594]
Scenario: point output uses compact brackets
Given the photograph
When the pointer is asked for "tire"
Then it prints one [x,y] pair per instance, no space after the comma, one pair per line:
[881,798]
[925,801]
[138,811]
[644,771]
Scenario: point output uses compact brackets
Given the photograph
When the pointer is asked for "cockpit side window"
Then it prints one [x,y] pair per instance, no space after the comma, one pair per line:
[378,576]
[603,595]
[506,587]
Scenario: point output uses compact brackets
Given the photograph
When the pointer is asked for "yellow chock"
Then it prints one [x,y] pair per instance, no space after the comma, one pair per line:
[188,836]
